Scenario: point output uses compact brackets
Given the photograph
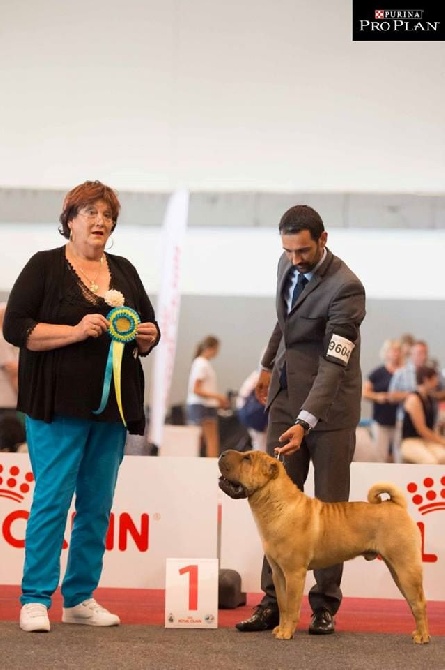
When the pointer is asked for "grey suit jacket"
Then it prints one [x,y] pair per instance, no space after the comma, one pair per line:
[320,342]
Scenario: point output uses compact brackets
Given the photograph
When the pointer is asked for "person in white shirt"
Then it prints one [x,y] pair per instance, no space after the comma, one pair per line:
[203,399]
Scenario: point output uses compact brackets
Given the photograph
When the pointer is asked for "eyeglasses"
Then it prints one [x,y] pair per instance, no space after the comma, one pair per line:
[92,214]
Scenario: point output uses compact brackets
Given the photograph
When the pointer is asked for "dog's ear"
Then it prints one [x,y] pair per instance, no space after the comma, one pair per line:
[273,469]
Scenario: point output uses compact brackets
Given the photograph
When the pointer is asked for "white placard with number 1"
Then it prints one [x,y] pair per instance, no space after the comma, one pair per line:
[191,593]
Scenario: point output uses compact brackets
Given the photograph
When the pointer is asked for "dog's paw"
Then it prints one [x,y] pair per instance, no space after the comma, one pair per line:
[282,633]
[420,638]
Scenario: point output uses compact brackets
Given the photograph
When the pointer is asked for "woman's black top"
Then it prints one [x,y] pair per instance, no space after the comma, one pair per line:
[429,409]
[383,413]
[68,380]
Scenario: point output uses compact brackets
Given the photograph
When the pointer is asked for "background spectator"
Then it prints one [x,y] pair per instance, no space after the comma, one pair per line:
[9,366]
[255,419]
[421,443]
[203,398]
[406,344]
[384,411]
[402,383]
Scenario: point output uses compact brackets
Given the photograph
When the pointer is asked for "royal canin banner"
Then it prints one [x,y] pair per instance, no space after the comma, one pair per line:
[170,507]
[163,508]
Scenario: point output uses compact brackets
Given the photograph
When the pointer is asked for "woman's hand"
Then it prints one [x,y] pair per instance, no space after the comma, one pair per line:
[147,334]
[92,325]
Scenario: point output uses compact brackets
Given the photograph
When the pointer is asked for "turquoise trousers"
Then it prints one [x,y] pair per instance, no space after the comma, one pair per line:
[69,457]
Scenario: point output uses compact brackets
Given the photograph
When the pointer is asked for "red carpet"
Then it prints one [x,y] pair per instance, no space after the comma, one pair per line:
[137,606]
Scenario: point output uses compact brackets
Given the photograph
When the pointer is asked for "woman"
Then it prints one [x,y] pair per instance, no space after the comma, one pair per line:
[420,442]
[58,313]
[384,410]
[203,398]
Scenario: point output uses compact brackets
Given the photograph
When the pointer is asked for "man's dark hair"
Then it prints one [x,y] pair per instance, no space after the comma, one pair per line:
[301,217]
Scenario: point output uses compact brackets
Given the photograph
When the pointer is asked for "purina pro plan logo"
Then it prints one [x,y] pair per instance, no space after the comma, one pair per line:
[398,22]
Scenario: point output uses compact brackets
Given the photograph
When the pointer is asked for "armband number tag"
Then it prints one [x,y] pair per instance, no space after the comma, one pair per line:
[339,349]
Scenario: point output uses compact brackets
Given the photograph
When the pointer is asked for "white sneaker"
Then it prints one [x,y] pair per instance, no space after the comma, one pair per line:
[90,613]
[34,618]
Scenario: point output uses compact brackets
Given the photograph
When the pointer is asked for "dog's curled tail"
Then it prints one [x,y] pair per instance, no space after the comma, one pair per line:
[395,494]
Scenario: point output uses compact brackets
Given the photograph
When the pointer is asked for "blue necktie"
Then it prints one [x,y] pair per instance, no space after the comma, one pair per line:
[298,288]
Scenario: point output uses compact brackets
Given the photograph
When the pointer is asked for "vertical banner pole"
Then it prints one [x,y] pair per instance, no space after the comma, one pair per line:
[167,312]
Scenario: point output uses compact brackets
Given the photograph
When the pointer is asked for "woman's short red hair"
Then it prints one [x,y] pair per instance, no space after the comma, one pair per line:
[85,194]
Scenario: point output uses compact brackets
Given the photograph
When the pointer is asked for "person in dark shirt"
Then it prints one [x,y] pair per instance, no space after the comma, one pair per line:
[421,443]
[81,318]
[384,411]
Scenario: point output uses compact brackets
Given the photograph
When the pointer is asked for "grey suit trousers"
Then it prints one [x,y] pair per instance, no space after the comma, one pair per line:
[331,452]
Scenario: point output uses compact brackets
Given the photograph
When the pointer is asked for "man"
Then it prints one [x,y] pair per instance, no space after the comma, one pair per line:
[311,381]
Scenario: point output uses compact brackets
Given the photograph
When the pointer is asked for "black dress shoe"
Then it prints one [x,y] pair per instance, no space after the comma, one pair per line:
[322,623]
[263,618]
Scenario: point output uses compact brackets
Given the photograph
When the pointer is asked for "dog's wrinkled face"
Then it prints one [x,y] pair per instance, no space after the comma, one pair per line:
[243,473]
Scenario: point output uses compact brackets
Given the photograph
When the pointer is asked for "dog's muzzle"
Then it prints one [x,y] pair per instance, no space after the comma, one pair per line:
[232,489]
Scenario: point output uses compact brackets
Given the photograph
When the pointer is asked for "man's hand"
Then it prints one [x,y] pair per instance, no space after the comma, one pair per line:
[294,437]
[262,386]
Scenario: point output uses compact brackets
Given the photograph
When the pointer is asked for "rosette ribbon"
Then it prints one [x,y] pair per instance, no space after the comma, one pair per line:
[123,328]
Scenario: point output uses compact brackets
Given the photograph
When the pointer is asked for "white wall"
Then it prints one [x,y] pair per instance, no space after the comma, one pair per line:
[259,95]
[228,280]
[393,264]
[269,94]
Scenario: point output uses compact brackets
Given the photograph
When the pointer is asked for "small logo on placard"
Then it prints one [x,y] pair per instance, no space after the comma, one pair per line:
[428,497]
[13,484]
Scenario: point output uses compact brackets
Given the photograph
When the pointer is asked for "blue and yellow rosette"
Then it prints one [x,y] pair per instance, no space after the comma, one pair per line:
[122,329]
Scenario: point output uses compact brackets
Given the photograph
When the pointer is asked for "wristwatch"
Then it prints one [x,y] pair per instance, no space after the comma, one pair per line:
[303,424]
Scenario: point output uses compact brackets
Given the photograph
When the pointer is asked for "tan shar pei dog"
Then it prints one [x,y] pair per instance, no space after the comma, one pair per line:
[301,533]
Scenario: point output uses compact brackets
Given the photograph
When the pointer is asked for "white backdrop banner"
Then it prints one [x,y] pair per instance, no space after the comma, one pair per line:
[166,507]
[163,508]
[167,312]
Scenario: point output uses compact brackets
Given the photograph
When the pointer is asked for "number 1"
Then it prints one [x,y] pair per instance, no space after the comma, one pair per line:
[193,585]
